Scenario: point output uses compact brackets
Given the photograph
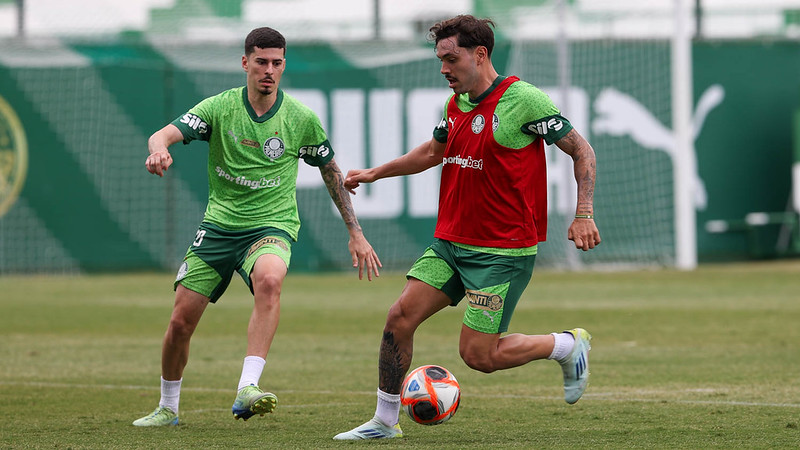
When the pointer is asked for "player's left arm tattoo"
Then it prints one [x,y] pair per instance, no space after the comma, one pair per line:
[334,181]
[584,163]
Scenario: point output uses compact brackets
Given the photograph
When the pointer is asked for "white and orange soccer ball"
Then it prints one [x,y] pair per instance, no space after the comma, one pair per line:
[430,395]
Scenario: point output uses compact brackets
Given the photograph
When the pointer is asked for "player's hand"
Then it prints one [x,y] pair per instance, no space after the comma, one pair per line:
[354,179]
[364,257]
[584,233]
[158,163]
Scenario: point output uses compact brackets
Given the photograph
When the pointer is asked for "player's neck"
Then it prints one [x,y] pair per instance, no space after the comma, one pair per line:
[261,103]
[485,81]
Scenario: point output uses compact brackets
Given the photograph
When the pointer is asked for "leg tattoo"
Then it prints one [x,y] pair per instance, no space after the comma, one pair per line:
[392,365]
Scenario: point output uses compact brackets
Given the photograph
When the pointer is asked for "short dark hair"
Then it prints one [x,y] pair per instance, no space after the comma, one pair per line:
[472,32]
[264,37]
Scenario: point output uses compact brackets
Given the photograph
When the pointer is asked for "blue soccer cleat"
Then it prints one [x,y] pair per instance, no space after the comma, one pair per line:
[251,400]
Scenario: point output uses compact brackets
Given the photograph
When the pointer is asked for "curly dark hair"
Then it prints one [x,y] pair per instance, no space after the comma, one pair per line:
[264,37]
[471,31]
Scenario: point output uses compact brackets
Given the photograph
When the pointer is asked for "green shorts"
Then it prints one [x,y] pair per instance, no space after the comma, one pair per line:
[492,283]
[216,253]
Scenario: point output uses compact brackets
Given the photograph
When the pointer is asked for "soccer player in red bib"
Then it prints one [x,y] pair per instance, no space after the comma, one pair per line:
[492,215]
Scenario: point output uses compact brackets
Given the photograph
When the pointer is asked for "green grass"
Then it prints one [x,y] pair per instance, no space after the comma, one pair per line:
[703,359]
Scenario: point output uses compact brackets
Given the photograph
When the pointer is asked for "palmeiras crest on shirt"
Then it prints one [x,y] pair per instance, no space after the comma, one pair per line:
[274,148]
[478,123]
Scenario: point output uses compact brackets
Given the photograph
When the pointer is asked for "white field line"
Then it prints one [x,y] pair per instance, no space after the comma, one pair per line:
[627,396]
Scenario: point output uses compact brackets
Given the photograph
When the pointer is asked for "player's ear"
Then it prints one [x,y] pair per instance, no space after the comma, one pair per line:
[244,62]
[481,54]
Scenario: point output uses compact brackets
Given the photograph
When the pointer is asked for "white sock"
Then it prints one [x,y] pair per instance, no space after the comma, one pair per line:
[170,394]
[388,408]
[563,346]
[251,371]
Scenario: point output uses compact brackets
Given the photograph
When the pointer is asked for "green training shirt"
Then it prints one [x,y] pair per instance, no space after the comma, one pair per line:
[524,113]
[253,160]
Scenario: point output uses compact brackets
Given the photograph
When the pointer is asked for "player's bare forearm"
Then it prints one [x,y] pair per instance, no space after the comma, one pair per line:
[158,144]
[362,253]
[584,164]
[334,181]
[419,159]
[583,230]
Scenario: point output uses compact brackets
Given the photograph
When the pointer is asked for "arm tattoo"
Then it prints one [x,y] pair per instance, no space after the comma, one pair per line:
[392,365]
[584,161]
[334,181]
[569,143]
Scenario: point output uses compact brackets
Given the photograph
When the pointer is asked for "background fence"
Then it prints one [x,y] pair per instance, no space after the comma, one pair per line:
[75,113]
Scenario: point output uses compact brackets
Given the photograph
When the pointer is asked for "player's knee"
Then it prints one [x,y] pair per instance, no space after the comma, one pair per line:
[395,315]
[397,321]
[268,283]
[480,361]
[180,327]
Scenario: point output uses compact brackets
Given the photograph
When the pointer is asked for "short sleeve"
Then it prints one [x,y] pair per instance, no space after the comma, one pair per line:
[539,115]
[317,155]
[550,128]
[315,149]
[195,124]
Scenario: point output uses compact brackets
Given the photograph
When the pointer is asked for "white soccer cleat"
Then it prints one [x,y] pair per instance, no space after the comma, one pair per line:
[161,417]
[374,429]
[576,366]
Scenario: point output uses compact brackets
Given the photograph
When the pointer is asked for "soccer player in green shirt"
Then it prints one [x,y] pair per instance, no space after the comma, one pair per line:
[256,136]
[492,215]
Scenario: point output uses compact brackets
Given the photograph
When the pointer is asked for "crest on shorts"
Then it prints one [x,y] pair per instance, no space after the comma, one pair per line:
[484,300]
[182,271]
[269,240]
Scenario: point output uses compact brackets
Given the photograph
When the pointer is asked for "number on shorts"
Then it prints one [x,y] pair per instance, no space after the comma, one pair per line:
[199,238]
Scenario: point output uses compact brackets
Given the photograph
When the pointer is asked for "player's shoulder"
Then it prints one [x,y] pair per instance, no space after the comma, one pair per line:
[536,101]
[233,95]
[225,98]
[295,106]
[523,88]
[459,99]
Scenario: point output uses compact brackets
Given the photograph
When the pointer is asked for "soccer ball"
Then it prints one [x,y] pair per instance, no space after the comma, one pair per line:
[430,395]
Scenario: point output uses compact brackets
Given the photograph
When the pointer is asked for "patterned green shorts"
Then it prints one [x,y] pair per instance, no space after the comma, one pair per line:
[492,283]
[217,253]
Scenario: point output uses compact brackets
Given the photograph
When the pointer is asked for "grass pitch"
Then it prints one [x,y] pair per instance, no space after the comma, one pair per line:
[703,359]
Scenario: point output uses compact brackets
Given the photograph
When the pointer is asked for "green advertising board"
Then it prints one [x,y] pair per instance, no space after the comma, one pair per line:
[75,196]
